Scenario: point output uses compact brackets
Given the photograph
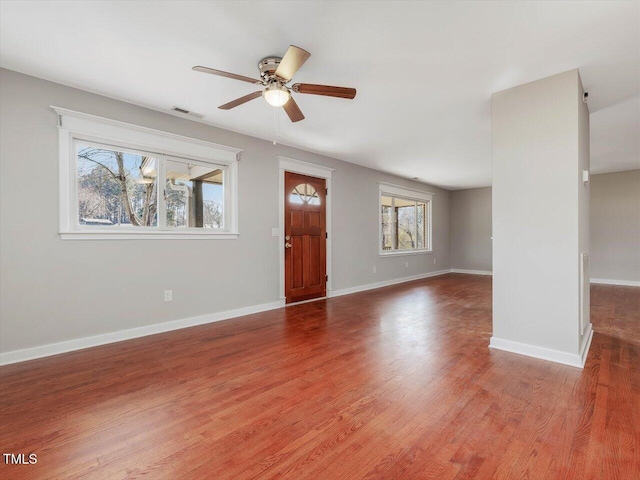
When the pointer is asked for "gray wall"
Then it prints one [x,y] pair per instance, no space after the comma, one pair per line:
[471,229]
[614,219]
[538,130]
[615,226]
[53,290]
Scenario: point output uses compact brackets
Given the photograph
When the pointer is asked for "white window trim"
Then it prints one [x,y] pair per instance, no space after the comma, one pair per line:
[76,126]
[389,189]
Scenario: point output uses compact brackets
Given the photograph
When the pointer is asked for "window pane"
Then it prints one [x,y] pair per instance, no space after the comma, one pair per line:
[405,223]
[194,195]
[116,188]
[421,230]
[387,223]
[304,193]
[406,212]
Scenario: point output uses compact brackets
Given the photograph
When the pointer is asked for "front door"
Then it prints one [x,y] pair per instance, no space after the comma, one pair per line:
[305,240]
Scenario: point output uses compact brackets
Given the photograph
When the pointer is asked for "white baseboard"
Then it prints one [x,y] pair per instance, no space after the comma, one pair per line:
[471,272]
[586,345]
[103,339]
[572,359]
[372,286]
[606,281]
[113,337]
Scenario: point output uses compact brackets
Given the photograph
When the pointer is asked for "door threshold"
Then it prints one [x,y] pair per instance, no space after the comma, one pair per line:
[306,301]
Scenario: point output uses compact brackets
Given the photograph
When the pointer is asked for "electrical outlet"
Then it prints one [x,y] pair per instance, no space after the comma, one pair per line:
[374,269]
[434,261]
[406,264]
[168,295]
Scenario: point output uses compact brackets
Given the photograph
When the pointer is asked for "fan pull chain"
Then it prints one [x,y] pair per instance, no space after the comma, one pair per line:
[279,117]
[277,122]
[275,119]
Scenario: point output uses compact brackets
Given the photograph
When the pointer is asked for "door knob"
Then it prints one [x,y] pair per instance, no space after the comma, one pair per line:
[287,245]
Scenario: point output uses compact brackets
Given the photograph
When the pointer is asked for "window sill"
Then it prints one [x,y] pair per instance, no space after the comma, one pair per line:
[157,235]
[402,253]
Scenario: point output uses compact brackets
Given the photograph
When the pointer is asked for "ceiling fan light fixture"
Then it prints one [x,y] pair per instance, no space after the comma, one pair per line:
[276,95]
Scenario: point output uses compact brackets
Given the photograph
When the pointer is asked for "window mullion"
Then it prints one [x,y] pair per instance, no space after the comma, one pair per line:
[226,214]
[428,225]
[162,198]
[394,214]
[415,224]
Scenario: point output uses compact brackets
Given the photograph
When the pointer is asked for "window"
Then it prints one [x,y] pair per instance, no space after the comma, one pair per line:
[405,220]
[194,195]
[118,187]
[115,187]
[146,184]
[304,193]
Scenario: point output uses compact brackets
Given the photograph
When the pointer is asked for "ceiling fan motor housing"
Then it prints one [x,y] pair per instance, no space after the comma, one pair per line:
[268,66]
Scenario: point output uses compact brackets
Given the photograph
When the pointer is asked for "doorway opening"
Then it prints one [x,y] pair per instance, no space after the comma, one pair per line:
[305,230]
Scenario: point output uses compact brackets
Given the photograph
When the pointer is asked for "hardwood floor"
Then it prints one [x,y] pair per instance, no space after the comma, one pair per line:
[395,383]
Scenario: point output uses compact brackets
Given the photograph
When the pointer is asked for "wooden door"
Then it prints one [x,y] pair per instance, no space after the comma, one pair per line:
[305,240]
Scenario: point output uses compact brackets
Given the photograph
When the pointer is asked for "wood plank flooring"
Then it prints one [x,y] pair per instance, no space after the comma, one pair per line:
[395,383]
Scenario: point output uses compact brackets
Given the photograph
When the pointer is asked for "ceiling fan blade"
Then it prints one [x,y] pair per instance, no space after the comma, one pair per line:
[293,59]
[326,90]
[292,109]
[220,73]
[241,100]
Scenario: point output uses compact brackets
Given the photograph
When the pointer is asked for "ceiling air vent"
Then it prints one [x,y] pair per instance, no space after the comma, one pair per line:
[184,111]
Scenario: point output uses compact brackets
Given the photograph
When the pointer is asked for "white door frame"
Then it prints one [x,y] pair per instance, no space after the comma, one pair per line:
[287,164]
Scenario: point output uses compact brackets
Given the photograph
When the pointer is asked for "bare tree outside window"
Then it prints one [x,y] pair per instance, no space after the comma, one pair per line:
[388,222]
[113,188]
[121,188]
[404,224]
[406,227]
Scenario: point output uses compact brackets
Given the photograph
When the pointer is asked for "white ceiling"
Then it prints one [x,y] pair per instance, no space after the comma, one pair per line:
[424,71]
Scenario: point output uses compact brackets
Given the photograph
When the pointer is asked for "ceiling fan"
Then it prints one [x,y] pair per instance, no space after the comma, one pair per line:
[275,74]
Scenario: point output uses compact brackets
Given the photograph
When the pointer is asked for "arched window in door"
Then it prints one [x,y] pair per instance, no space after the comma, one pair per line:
[304,193]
